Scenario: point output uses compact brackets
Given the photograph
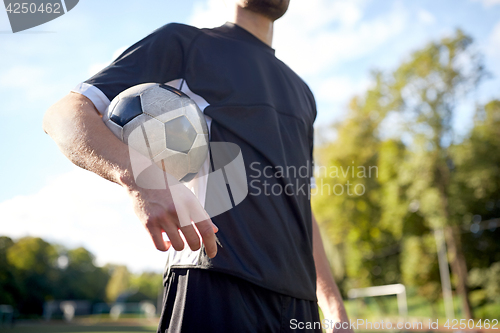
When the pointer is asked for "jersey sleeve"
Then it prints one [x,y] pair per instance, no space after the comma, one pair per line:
[157,58]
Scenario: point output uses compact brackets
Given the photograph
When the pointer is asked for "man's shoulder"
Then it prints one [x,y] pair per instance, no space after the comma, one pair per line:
[296,76]
[177,29]
[300,82]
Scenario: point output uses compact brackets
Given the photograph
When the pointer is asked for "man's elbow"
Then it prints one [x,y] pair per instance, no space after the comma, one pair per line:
[54,115]
[63,113]
[48,120]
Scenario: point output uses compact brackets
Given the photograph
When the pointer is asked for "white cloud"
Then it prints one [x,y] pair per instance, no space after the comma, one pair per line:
[210,14]
[492,51]
[333,95]
[79,208]
[493,47]
[338,90]
[488,3]
[32,84]
[97,67]
[21,76]
[335,35]
[426,17]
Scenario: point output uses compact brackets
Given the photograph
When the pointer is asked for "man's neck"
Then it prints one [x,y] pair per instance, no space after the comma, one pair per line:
[257,24]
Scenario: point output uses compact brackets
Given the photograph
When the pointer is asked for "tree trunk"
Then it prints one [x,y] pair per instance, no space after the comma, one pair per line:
[454,244]
[458,267]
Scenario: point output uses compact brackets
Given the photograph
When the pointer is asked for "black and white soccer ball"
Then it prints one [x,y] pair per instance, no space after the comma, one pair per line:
[163,124]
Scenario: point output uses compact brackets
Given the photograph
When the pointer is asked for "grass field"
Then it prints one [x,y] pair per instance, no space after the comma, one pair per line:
[374,309]
[75,328]
[84,326]
[418,307]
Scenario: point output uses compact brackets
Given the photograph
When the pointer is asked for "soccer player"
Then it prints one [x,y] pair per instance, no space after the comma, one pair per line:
[270,270]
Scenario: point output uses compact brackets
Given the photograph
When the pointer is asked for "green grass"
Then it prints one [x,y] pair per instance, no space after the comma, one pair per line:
[368,309]
[85,325]
[74,328]
[418,307]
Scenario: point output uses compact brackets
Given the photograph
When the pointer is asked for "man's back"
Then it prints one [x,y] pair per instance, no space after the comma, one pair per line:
[258,103]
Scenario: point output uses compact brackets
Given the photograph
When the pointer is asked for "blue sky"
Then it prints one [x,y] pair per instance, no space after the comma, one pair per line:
[332,44]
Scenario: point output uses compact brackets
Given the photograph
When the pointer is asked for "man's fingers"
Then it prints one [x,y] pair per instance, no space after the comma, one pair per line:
[214,227]
[157,237]
[191,237]
[206,229]
[173,234]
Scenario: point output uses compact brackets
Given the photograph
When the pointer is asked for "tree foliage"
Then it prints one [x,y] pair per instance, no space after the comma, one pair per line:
[427,178]
[33,271]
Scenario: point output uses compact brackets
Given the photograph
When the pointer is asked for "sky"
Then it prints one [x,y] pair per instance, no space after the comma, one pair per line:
[332,44]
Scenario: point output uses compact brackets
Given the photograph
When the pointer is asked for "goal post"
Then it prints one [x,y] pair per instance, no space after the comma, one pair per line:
[391,289]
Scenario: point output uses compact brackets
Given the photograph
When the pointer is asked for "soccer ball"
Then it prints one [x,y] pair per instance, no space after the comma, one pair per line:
[163,124]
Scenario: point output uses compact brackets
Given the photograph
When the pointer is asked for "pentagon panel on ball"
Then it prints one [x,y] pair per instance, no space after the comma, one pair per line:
[163,124]
[181,134]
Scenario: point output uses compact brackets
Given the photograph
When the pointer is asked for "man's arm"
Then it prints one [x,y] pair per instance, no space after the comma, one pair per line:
[77,128]
[328,293]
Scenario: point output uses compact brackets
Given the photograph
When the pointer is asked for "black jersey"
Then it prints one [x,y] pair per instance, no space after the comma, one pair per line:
[251,99]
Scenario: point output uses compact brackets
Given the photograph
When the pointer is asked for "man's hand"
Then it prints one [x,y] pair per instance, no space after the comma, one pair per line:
[170,210]
[337,324]
[329,298]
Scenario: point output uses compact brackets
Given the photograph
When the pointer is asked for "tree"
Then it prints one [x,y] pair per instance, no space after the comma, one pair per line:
[33,271]
[476,180]
[9,287]
[427,178]
[475,194]
[34,264]
[426,90]
[81,279]
[148,284]
[118,282]
[347,200]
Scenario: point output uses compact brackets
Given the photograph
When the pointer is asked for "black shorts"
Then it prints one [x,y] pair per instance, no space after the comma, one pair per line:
[197,300]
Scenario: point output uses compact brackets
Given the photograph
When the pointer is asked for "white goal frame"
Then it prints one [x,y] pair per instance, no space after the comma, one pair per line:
[390,289]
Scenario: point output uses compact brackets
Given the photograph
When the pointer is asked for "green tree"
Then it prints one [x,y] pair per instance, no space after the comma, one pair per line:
[148,284]
[426,90]
[118,282]
[347,200]
[9,287]
[34,263]
[427,178]
[81,279]
[476,176]
[476,198]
